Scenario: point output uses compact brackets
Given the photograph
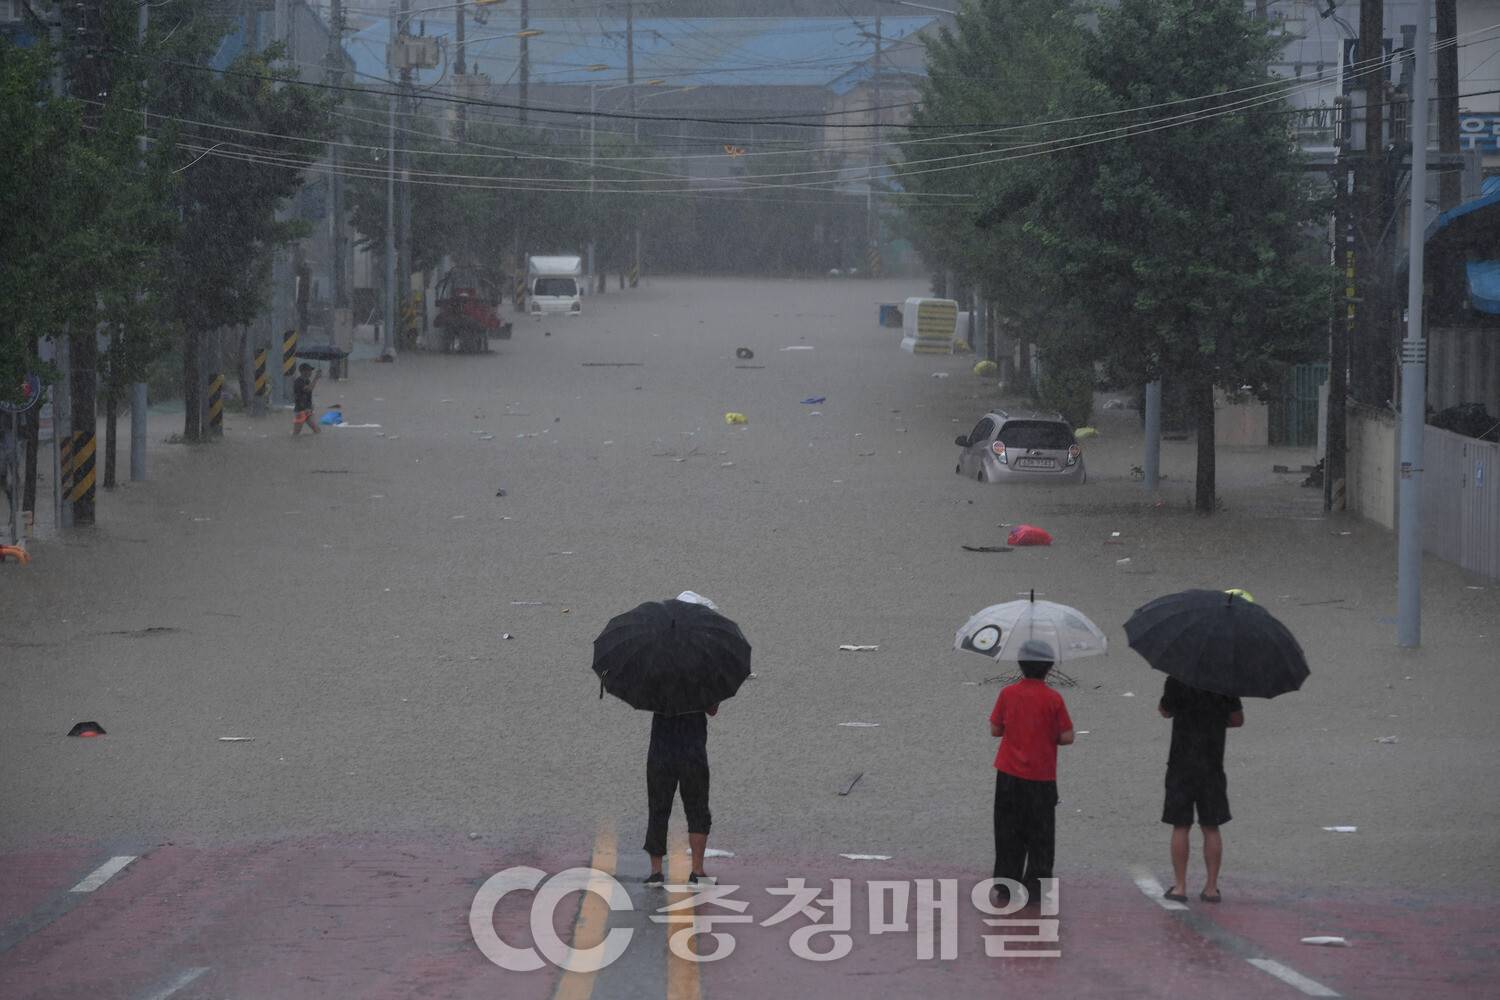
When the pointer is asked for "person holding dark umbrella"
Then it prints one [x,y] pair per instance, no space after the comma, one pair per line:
[1215,647]
[677,659]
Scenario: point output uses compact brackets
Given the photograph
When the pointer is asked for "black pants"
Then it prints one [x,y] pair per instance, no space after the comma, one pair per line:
[1025,830]
[663,779]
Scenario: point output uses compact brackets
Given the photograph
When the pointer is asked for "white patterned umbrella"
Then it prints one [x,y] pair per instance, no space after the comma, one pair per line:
[999,631]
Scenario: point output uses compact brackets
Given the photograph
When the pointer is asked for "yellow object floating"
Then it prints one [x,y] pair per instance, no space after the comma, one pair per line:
[1086,432]
[736,418]
[1237,592]
[986,368]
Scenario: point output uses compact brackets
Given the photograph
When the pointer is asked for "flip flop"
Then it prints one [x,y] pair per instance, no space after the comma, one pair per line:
[1176,897]
[1217,897]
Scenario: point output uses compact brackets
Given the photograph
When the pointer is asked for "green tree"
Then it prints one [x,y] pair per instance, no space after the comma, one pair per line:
[1188,245]
[980,150]
[237,144]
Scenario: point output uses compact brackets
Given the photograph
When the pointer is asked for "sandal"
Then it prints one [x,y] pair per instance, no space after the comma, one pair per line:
[1217,897]
[1176,897]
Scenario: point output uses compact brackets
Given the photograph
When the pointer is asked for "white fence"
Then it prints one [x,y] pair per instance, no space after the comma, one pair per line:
[1461,501]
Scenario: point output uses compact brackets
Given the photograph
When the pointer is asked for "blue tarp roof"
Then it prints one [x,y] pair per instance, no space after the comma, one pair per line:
[1483,275]
[683,52]
[1489,195]
[1484,286]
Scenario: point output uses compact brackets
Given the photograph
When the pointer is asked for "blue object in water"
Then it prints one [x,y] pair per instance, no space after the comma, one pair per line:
[332,417]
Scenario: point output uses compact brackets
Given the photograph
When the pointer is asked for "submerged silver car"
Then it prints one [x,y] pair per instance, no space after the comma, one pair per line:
[1035,449]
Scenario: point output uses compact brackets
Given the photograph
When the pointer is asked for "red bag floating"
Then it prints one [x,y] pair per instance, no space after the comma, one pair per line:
[1028,534]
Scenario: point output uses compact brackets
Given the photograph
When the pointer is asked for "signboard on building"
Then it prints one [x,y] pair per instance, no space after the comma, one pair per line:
[1479,132]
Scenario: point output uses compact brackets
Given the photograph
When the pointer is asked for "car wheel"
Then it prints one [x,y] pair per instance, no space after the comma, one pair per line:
[981,477]
[958,469]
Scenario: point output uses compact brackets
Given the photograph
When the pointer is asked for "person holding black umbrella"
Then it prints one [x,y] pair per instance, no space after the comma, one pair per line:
[678,760]
[1196,779]
[677,659]
[1215,648]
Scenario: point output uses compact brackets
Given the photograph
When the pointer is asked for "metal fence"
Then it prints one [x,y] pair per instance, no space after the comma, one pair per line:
[1461,501]
[1293,418]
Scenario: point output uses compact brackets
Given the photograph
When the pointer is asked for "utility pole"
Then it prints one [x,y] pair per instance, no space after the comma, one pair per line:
[524,69]
[1369,349]
[1450,180]
[90,81]
[388,348]
[1341,324]
[630,61]
[634,122]
[339,265]
[872,206]
[1414,361]
[408,107]
[62,410]
[461,116]
[138,389]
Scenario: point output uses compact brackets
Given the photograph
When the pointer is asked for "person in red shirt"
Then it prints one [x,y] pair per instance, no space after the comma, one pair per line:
[1031,721]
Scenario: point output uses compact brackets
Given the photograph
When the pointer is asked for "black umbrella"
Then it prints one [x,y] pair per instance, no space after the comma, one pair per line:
[1218,642]
[672,657]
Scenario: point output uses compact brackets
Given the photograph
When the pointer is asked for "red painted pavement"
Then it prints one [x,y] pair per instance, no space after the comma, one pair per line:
[388,918]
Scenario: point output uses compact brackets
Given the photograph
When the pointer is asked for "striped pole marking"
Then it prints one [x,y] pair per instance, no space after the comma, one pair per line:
[81,496]
[288,352]
[874,260]
[635,275]
[216,404]
[262,383]
[520,293]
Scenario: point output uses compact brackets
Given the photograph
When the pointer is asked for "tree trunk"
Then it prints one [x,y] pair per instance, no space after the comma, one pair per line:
[192,398]
[1203,400]
[111,418]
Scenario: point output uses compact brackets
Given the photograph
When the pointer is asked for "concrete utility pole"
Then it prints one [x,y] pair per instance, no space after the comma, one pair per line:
[1414,360]
[524,67]
[872,206]
[461,115]
[90,81]
[408,107]
[1369,350]
[1151,463]
[388,347]
[138,415]
[339,266]
[1450,180]
[1341,322]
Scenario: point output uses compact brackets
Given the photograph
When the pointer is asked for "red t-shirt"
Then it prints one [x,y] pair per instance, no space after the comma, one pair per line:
[1033,716]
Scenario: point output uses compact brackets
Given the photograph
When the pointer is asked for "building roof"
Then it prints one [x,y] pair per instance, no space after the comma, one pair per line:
[682,52]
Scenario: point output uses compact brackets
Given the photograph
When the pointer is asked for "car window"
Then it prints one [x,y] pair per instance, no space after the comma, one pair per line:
[555,286]
[1036,434]
[981,431]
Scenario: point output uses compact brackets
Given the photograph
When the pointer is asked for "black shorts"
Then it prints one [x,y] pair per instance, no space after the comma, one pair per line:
[1187,792]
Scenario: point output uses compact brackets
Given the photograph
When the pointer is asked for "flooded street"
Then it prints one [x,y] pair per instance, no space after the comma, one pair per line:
[399,619]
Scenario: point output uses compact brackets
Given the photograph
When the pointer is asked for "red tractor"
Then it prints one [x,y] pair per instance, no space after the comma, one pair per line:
[468,309]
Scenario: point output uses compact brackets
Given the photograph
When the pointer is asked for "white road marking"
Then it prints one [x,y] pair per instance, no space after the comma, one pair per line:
[103,873]
[1292,977]
[1153,890]
[184,978]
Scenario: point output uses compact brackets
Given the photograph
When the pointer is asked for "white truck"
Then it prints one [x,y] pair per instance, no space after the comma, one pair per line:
[554,285]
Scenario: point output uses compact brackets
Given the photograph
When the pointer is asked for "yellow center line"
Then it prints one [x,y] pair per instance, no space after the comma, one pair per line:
[682,975]
[593,918]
